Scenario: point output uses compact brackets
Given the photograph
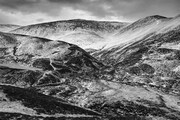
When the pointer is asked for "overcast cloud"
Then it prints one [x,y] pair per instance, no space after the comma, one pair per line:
[25,12]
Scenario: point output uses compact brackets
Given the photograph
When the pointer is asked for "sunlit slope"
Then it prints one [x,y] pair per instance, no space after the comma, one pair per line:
[73,30]
[8,27]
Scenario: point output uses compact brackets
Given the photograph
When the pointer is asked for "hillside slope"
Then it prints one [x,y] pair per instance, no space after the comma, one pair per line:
[149,59]
[140,29]
[65,71]
[137,78]
[27,104]
[28,62]
[8,27]
[97,30]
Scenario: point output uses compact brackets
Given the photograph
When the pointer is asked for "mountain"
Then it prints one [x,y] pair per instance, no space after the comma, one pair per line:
[46,56]
[130,78]
[72,30]
[28,62]
[149,60]
[8,27]
[144,22]
[141,30]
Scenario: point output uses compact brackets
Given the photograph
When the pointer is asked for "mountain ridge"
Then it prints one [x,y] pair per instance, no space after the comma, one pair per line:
[61,30]
[8,27]
[130,74]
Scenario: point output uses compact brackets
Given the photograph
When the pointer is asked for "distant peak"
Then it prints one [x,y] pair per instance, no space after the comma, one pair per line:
[76,20]
[157,17]
[9,25]
[154,17]
[151,18]
[79,19]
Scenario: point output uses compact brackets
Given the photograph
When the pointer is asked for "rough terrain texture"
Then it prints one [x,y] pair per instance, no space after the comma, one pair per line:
[134,80]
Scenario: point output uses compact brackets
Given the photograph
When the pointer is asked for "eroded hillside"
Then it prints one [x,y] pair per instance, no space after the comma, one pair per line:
[134,79]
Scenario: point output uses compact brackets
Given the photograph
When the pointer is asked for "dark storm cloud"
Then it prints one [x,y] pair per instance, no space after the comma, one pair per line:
[131,9]
[53,7]
[66,1]
[16,3]
[128,8]
[135,9]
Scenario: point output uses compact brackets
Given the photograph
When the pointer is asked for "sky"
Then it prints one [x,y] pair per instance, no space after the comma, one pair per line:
[25,12]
